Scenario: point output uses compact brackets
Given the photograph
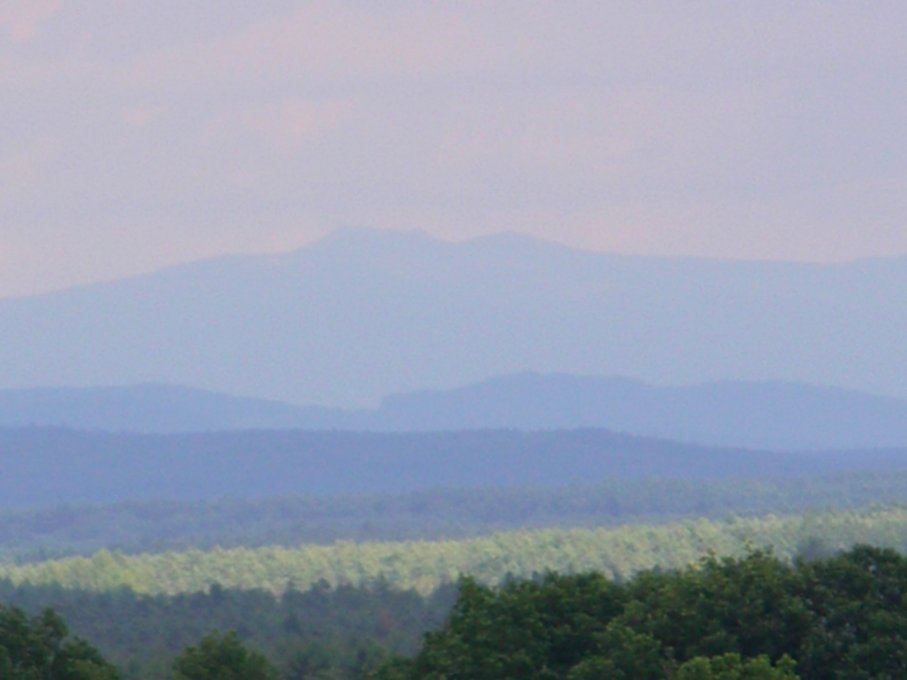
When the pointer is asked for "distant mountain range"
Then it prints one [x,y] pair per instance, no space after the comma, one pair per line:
[143,409]
[759,415]
[362,314]
[50,467]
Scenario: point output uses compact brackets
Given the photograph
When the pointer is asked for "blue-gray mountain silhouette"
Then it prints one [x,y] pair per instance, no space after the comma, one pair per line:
[55,466]
[768,415]
[362,314]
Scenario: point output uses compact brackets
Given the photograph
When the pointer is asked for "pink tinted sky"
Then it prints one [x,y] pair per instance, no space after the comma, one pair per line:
[137,134]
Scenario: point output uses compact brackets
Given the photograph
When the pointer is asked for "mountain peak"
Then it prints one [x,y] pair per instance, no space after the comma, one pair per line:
[373,240]
[352,237]
[367,312]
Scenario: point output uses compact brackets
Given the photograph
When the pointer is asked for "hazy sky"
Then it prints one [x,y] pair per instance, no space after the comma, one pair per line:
[138,134]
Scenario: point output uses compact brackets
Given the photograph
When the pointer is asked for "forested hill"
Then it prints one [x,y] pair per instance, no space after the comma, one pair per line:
[144,408]
[363,314]
[771,415]
[619,552]
[53,466]
[154,526]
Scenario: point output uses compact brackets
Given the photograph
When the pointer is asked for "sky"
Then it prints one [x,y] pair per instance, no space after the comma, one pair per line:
[137,134]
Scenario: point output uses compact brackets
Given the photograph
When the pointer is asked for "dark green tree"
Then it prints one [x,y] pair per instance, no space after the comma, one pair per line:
[623,655]
[222,657]
[861,599]
[40,649]
[732,667]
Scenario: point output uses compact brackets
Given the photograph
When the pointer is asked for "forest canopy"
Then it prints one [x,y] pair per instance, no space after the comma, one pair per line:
[756,617]
[156,526]
[618,552]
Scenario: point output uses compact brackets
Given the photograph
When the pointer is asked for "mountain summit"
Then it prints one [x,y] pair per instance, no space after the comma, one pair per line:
[365,313]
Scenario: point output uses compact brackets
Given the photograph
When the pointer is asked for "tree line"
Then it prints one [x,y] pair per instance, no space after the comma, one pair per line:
[755,617]
[343,632]
[157,526]
[618,552]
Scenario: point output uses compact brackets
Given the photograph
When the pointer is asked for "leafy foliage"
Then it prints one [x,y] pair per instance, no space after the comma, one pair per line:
[731,666]
[757,617]
[723,619]
[222,657]
[339,632]
[40,648]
